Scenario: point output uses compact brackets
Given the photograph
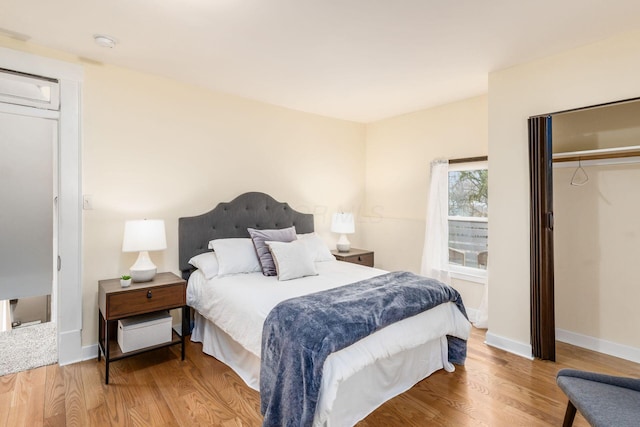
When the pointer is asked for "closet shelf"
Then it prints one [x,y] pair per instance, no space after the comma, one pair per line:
[603,153]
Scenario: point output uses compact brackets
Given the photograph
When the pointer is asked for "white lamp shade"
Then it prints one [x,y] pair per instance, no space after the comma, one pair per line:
[343,223]
[144,235]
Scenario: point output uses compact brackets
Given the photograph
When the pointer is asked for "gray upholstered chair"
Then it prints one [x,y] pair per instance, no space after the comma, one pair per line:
[603,400]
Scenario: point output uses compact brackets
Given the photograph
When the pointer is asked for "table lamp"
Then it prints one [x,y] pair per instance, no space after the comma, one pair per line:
[143,236]
[343,224]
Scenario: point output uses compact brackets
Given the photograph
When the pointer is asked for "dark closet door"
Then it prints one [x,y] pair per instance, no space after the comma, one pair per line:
[543,337]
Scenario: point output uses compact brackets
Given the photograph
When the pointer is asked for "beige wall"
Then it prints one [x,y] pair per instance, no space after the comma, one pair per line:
[399,153]
[602,72]
[597,236]
[156,148]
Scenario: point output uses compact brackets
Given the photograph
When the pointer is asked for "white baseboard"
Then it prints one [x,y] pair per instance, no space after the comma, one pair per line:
[602,346]
[506,344]
[90,352]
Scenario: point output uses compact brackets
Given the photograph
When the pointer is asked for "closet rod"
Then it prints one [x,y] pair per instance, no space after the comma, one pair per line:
[606,153]
[469,159]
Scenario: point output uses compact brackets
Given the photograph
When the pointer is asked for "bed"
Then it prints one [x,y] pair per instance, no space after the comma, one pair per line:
[230,310]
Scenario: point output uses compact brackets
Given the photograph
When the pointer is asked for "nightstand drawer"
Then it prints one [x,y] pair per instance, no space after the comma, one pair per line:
[355,256]
[366,259]
[144,300]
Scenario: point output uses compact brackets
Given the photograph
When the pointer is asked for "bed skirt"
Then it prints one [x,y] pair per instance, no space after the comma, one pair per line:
[343,400]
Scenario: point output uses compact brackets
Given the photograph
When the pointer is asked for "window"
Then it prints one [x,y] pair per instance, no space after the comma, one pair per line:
[468,217]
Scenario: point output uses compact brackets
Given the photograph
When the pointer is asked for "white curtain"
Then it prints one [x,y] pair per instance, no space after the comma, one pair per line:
[435,257]
[482,317]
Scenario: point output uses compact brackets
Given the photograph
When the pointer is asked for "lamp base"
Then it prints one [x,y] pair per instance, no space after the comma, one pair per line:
[143,270]
[138,276]
[343,244]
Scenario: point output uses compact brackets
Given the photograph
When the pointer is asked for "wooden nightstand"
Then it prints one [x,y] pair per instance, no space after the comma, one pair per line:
[356,256]
[165,292]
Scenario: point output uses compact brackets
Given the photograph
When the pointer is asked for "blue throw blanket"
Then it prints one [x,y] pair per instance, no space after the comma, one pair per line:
[300,333]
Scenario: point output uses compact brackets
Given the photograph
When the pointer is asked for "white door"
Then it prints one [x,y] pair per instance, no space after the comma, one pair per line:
[28,187]
[61,102]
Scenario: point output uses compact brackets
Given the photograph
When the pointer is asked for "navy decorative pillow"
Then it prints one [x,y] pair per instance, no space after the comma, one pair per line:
[260,237]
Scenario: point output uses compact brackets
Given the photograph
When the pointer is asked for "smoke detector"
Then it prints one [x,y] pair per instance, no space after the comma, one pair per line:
[104,41]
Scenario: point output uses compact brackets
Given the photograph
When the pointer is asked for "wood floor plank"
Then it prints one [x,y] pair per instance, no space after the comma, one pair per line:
[8,382]
[54,400]
[19,395]
[154,395]
[17,416]
[94,386]
[146,414]
[58,420]
[494,388]
[99,416]
[5,406]
[35,414]
[174,386]
[75,407]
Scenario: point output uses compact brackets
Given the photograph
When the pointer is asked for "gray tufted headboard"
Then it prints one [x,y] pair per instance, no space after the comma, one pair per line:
[254,210]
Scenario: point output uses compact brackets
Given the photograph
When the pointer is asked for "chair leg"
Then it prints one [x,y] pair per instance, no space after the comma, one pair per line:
[569,415]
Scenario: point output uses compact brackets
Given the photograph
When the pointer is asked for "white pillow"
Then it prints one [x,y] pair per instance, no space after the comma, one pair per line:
[293,259]
[235,256]
[207,263]
[319,250]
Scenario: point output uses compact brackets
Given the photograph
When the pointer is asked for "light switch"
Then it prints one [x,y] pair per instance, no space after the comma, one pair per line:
[87,202]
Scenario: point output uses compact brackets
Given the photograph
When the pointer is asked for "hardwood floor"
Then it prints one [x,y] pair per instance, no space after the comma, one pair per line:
[494,388]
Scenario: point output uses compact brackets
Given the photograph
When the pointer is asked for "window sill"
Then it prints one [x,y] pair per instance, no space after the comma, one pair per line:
[469,276]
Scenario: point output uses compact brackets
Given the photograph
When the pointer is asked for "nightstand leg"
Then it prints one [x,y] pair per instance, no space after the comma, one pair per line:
[185,326]
[106,352]
[100,334]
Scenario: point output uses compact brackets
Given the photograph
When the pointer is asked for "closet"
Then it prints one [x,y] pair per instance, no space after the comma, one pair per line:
[596,205]
[585,229]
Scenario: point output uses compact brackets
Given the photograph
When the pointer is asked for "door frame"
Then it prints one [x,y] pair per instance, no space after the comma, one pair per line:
[69,279]
[542,285]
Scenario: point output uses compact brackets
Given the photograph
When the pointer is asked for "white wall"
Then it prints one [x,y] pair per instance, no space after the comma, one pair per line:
[399,152]
[156,148]
[601,72]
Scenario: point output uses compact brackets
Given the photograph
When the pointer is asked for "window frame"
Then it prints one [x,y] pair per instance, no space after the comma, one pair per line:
[457,271]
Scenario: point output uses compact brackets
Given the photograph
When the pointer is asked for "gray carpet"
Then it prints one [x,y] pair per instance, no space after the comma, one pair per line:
[28,348]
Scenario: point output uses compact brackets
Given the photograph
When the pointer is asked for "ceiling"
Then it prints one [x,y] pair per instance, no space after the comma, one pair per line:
[359,60]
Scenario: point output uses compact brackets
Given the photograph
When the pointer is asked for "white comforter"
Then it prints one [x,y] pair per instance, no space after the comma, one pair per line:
[239,304]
